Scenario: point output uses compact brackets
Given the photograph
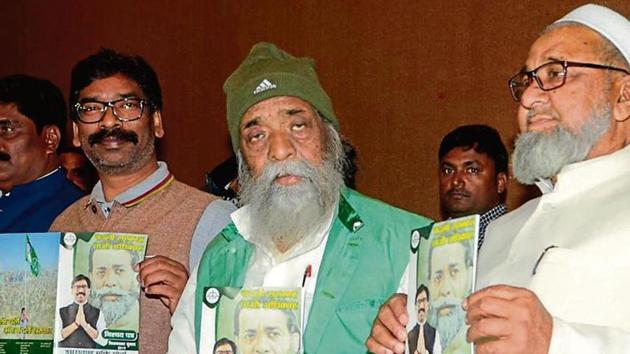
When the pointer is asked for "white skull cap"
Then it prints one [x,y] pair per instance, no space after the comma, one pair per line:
[610,24]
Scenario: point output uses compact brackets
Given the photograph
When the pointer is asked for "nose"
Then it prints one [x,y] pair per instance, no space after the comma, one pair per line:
[447,286]
[280,147]
[109,119]
[532,94]
[109,279]
[262,345]
[457,180]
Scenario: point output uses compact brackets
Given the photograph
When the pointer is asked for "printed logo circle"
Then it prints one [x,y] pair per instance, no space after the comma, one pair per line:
[212,296]
[69,239]
[415,239]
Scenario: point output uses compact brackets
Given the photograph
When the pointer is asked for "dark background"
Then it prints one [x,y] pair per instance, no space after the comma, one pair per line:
[401,74]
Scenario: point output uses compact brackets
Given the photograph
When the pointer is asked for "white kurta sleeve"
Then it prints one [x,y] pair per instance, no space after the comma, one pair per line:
[182,337]
[571,338]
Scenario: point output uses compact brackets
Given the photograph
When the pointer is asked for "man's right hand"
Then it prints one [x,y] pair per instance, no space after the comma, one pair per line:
[389,331]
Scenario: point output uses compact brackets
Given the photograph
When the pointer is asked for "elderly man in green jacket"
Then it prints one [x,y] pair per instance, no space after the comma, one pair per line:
[299,226]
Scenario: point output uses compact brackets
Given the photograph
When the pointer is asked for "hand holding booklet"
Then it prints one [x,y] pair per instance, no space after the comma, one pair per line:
[442,274]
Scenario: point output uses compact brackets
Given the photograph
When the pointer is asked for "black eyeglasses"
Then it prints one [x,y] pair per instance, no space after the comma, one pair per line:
[549,76]
[124,109]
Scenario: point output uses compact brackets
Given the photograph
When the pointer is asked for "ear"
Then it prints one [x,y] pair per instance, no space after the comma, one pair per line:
[52,137]
[75,135]
[501,182]
[158,128]
[295,341]
[621,110]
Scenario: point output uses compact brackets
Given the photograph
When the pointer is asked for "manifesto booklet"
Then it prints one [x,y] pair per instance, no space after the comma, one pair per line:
[28,279]
[441,275]
[252,320]
[97,308]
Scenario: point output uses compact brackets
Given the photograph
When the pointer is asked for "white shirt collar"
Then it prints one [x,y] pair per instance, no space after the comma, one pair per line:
[243,222]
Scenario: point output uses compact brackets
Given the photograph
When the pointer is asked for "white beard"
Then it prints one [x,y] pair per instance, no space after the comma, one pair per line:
[113,310]
[287,215]
[539,155]
[448,325]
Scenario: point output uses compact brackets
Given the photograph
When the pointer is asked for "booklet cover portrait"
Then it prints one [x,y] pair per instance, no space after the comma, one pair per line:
[98,292]
[442,274]
[28,272]
[251,320]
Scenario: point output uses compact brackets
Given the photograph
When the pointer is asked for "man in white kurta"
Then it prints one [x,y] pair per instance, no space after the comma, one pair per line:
[555,274]
[584,276]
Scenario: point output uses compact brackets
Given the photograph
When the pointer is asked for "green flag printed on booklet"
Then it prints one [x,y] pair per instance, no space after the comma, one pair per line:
[441,275]
[252,320]
[28,279]
[98,309]
[31,257]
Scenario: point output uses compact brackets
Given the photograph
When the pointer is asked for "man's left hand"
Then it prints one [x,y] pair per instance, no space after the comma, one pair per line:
[508,320]
[165,278]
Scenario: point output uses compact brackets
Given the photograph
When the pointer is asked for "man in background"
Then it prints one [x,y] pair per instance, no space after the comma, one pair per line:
[78,168]
[33,188]
[473,174]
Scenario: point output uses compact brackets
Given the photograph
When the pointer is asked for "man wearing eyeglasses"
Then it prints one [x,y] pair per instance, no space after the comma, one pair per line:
[116,105]
[33,187]
[555,274]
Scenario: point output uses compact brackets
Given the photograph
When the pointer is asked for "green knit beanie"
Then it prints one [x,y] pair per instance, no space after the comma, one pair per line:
[268,72]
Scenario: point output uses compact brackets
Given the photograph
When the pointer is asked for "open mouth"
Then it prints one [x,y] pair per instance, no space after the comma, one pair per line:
[287,180]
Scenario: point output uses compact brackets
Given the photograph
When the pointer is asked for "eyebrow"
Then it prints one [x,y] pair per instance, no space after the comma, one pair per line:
[95,99]
[115,265]
[293,111]
[466,163]
[471,163]
[251,123]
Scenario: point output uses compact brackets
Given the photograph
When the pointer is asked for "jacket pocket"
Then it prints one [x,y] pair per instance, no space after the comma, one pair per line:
[357,317]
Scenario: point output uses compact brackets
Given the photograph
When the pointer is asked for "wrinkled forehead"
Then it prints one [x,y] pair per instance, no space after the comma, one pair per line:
[572,42]
[279,105]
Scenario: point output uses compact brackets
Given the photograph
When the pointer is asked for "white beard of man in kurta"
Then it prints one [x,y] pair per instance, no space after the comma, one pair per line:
[539,154]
